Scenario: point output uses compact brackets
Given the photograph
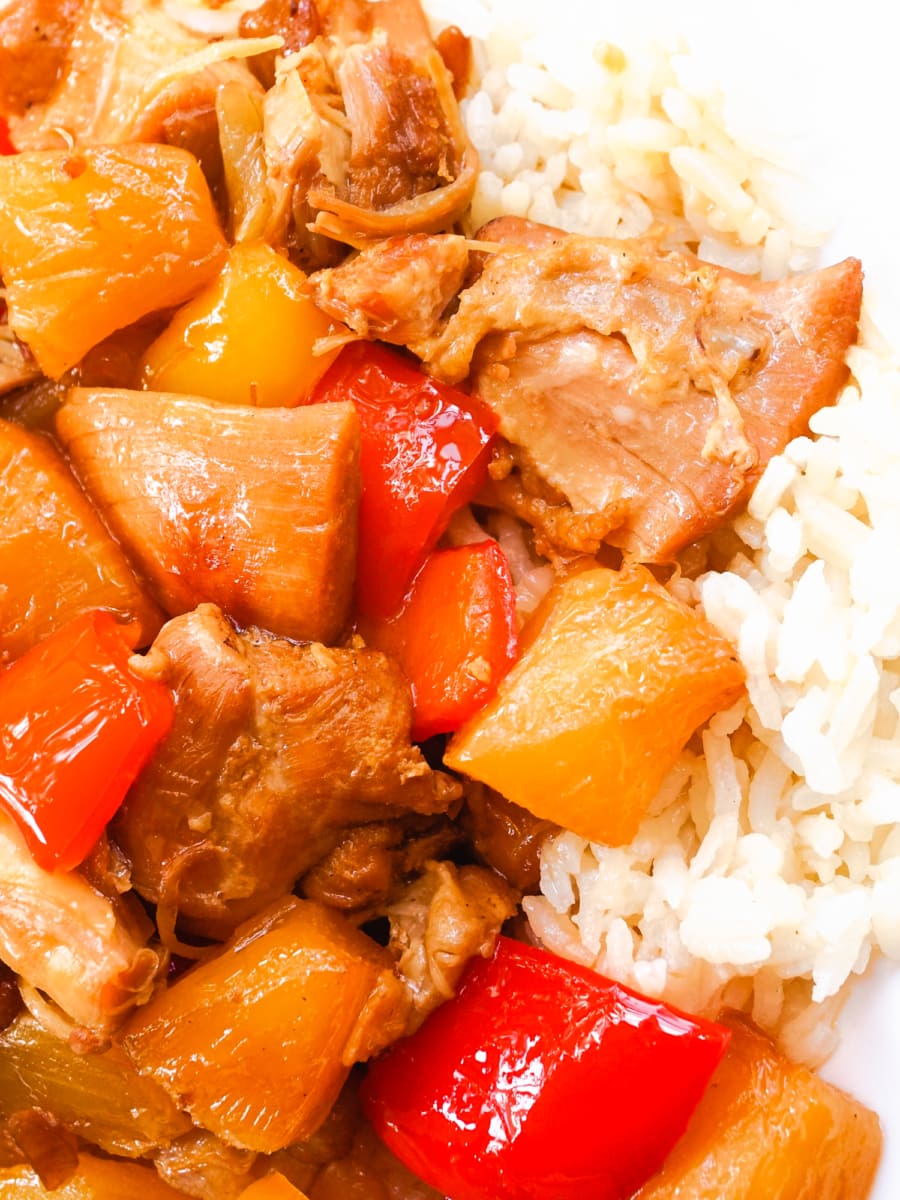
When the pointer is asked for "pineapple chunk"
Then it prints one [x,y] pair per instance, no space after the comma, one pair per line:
[93,240]
[614,678]
[257,1043]
[768,1129]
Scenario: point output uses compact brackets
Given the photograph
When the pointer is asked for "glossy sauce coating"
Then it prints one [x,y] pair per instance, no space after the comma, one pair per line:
[424,453]
[76,727]
[541,1081]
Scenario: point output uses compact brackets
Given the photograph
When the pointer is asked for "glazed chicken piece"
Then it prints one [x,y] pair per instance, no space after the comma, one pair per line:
[505,836]
[441,920]
[254,509]
[397,289]
[372,862]
[297,22]
[202,1165]
[647,387]
[85,951]
[118,71]
[34,36]
[369,1172]
[276,748]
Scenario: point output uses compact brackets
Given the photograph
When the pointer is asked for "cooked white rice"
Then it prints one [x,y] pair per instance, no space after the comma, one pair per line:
[768,869]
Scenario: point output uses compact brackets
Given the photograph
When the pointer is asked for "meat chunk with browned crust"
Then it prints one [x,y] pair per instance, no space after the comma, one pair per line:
[397,289]
[645,386]
[276,748]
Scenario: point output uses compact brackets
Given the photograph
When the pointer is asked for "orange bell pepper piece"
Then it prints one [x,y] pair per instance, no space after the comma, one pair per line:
[247,338]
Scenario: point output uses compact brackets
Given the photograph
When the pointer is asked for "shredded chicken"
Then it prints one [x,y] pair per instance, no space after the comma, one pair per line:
[275,750]
[438,923]
[85,952]
[362,129]
[647,387]
[296,22]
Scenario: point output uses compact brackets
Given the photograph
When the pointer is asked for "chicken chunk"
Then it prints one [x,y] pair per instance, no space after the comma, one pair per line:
[295,21]
[440,921]
[369,1172]
[647,387]
[275,749]
[252,508]
[83,950]
[397,289]
[371,862]
[505,836]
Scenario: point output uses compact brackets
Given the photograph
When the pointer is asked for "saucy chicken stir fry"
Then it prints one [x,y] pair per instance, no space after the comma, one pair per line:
[278,753]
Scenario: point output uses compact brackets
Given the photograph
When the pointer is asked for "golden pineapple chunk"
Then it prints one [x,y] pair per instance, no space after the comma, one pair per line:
[767,1129]
[257,1043]
[93,240]
[615,675]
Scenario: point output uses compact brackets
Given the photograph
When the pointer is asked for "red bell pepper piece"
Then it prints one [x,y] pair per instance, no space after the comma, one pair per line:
[76,727]
[454,636]
[541,1081]
[6,146]
[424,454]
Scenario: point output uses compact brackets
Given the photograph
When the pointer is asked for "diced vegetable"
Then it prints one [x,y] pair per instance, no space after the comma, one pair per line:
[615,676]
[95,1179]
[455,635]
[76,726]
[98,1096]
[6,145]
[257,1043]
[272,1187]
[768,1129]
[56,558]
[424,453]
[81,949]
[247,338]
[254,509]
[92,240]
[541,1081]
